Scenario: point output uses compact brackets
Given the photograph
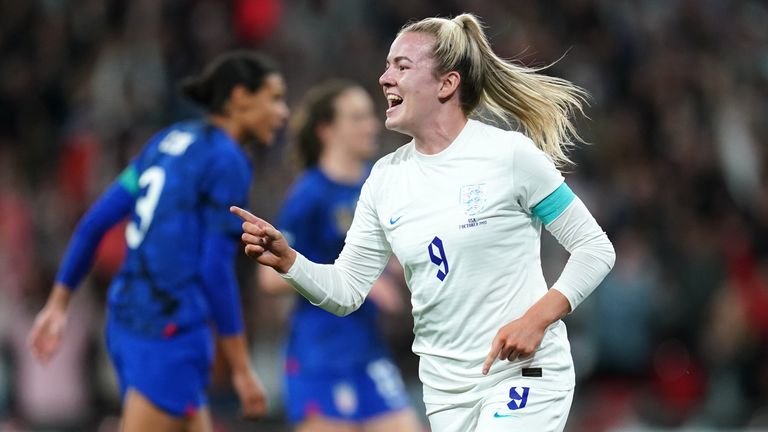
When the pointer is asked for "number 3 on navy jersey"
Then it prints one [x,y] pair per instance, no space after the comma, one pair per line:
[153,179]
[439,258]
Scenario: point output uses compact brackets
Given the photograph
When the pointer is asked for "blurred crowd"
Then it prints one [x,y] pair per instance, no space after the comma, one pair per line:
[675,171]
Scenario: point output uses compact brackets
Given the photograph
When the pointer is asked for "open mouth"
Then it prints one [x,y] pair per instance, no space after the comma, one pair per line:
[394,100]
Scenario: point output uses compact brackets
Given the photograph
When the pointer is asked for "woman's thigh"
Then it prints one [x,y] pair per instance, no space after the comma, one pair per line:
[454,417]
[404,420]
[140,415]
[505,407]
[525,408]
[324,424]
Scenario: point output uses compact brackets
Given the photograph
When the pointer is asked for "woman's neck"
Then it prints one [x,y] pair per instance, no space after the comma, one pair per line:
[229,127]
[342,167]
[437,135]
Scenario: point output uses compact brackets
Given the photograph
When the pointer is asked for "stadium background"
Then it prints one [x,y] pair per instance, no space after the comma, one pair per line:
[676,338]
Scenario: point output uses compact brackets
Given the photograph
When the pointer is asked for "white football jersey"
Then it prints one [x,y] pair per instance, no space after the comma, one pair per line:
[460,223]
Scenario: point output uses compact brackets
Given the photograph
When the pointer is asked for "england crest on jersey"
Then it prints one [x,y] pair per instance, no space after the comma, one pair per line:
[473,198]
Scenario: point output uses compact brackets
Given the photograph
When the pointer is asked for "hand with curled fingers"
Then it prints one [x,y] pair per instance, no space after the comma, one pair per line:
[517,339]
[44,338]
[264,243]
[522,337]
[253,399]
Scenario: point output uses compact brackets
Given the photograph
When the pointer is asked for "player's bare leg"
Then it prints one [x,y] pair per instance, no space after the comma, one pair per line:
[401,421]
[140,415]
[201,421]
[320,424]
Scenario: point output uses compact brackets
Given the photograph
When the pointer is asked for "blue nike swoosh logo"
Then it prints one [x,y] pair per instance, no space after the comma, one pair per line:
[497,415]
[394,221]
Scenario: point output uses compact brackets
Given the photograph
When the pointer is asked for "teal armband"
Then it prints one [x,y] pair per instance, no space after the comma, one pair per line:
[554,204]
[129,179]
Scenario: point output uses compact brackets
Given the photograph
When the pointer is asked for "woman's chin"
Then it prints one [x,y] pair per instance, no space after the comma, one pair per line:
[265,138]
[392,123]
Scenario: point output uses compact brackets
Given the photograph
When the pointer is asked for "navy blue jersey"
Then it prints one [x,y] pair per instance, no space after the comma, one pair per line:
[315,218]
[184,181]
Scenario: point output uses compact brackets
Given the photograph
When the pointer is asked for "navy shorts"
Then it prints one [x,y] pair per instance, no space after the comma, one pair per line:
[356,395]
[173,373]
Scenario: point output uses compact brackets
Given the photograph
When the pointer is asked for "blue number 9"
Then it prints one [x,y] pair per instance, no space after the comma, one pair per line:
[438,260]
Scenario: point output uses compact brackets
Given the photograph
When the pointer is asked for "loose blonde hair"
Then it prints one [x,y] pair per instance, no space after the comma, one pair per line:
[543,105]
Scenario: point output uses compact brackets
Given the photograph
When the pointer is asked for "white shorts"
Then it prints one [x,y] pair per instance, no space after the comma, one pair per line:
[505,408]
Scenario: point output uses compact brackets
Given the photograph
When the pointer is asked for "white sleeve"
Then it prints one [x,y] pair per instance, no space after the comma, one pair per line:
[534,175]
[341,287]
[592,254]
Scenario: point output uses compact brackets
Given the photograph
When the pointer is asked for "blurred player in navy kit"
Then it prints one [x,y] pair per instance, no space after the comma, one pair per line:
[338,374]
[179,268]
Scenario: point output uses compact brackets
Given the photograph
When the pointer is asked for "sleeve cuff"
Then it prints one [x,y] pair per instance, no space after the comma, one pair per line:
[568,296]
[298,278]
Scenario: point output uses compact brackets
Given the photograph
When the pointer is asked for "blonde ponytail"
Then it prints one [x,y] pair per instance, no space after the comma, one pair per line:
[541,104]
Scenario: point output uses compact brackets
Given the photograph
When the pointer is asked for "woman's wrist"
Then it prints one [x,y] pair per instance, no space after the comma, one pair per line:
[59,297]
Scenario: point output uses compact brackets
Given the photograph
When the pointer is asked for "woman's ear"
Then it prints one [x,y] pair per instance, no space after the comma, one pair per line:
[238,97]
[323,130]
[449,85]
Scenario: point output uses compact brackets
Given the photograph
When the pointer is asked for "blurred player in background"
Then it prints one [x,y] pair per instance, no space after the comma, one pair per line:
[338,373]
[462,206]
[181,240]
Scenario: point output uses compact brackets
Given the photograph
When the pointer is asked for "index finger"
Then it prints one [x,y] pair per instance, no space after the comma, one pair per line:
[495,350]
[244,214]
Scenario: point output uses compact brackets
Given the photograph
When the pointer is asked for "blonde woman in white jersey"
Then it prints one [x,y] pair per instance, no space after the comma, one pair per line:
[462,206]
